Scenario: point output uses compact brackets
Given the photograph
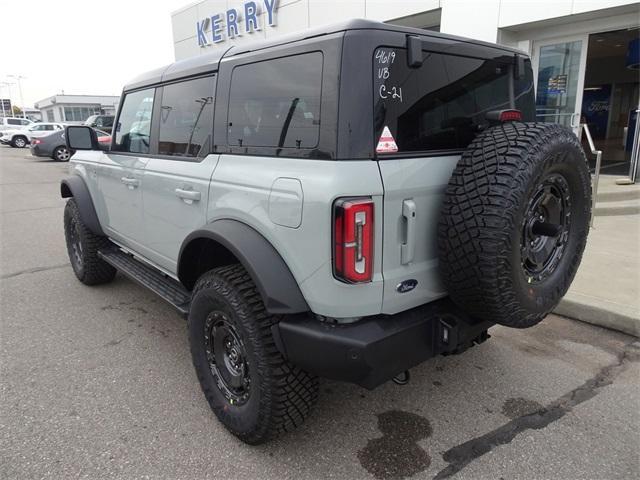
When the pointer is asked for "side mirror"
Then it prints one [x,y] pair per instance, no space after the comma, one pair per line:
[81,138]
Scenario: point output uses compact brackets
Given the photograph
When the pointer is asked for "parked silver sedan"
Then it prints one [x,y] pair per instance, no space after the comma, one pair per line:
[55,146]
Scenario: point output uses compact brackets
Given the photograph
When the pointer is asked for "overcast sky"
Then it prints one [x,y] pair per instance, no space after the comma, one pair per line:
[82,46]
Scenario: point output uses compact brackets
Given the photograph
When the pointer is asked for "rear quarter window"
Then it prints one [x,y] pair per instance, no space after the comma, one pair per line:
[442,104]
[276,103]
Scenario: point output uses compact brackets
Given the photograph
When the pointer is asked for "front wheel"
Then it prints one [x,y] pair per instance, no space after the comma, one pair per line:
[83,246]
[252,389]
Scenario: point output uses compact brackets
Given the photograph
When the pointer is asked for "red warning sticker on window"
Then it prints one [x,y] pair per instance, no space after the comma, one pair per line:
[387,143]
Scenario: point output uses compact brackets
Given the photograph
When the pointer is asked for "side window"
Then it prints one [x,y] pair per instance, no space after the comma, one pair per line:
[13,121]
[134,123]
[186,120]
[276,103]
[25,122]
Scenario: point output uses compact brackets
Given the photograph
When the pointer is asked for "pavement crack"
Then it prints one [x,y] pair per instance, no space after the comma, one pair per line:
[33,270]
[462,455]
[31,209]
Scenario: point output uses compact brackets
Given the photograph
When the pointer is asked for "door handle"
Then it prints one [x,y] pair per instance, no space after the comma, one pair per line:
[407,249]
[188,196]
[130,182]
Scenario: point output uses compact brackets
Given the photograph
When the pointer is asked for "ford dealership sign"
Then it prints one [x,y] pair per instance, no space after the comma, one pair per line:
[235,21]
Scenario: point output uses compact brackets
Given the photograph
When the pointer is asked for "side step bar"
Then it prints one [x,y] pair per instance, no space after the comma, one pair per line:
[147,276]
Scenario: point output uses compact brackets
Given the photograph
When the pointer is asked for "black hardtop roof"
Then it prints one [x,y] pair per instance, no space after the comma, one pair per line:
[209,62]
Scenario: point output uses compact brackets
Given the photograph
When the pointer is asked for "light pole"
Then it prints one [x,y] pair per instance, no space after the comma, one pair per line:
[19,77]
[2,100]
[8,85]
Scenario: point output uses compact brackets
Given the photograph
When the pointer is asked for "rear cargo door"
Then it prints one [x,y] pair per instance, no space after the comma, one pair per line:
[424,117]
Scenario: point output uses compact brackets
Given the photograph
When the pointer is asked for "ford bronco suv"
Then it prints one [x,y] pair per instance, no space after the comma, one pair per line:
[343,203]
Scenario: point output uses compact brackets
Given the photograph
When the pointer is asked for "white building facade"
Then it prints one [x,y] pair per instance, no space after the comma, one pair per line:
[584,52]
[76,108]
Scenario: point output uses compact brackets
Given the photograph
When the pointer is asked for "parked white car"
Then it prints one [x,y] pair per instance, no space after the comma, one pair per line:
[21,137]
[13,123]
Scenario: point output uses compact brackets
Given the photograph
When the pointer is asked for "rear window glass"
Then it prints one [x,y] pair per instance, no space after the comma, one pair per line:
[276,103]
[442,104]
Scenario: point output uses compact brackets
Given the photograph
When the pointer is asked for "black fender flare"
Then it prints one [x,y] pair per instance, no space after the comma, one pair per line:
[275,282]
[76,187]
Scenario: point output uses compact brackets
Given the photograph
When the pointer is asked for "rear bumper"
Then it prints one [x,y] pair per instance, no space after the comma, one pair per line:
[376,349]
[36,151]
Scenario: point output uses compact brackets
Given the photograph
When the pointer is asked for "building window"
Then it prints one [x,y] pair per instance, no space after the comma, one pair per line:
[283,109]
[186,121]
[79,114]
[134,122]
[50,115]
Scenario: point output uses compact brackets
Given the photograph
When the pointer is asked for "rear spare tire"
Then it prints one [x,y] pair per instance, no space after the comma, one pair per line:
[514,222]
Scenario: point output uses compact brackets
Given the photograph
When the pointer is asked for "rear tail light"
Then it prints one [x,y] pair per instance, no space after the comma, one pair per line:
[353,239]
[36,141]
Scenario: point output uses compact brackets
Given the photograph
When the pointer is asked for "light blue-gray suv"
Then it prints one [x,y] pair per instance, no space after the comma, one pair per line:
[345,203]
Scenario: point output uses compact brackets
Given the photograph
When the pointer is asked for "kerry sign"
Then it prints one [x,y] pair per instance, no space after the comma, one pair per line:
[236,21]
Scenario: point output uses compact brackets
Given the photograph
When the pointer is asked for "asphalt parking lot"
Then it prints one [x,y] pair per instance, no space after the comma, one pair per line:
[98,383]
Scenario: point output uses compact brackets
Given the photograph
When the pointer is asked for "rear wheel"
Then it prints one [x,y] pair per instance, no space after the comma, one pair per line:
[251,388]
[61,154]
[83,246]
[19,141]
[514,222]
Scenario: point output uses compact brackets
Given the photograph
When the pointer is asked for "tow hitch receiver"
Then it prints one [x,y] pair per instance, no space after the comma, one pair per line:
[380,348]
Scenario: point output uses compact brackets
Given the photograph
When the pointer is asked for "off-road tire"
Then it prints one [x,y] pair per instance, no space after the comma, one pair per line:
[19,141]
[88,266]
[281,395]
[483,222]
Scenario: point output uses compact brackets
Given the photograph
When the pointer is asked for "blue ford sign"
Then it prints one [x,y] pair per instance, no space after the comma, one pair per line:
[232,23]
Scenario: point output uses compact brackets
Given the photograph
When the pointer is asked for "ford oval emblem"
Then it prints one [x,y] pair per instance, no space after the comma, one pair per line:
[407,285]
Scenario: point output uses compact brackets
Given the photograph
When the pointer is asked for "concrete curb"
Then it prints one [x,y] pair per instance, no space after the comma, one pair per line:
[597,315]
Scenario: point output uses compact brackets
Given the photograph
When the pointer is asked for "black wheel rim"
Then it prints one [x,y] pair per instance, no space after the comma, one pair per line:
[75,244]
[227,358]
[545,228]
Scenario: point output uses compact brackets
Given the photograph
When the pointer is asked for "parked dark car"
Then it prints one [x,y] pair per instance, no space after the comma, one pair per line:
[54,145]
[100,122]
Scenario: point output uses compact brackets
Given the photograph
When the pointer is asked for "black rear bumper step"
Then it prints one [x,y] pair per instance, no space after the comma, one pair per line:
[376,349]
[166,287]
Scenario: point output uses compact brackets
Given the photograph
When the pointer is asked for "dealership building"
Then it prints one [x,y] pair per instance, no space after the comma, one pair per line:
[585,53]
[76,108]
